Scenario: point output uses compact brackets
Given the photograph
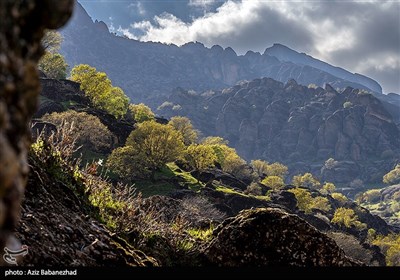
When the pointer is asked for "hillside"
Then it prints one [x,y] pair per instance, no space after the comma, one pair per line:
[184,218]
[297,125]
[135,65]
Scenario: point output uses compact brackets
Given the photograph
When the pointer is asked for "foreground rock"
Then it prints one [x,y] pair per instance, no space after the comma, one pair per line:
[22,26]
[272,237]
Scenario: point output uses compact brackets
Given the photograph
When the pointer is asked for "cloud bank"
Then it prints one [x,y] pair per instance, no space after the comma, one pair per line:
[360,36]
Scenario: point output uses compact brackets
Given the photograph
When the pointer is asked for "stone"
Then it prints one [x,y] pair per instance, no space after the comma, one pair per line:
[272,237]
[22,26]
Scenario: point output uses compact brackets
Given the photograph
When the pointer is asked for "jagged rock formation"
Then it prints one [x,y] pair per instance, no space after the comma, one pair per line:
[135,65]
[22,26]
[272,237]
[295,124]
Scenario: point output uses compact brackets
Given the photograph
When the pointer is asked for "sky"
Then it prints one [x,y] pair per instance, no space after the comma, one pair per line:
[360,36]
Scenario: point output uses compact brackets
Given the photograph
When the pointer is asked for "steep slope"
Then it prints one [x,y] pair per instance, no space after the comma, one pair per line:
[297,125]
[135,66]
[286,54]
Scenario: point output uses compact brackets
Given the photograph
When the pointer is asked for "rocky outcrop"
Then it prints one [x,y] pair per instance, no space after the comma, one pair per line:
[296,125]
[21,29]
[272,237]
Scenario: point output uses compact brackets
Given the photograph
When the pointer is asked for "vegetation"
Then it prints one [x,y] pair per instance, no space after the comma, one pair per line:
[328,188]
[392,177]
[275,182]
[97,86]
[390,246]
[347,217]
[90,133]
[263,168]
[151,146]
[307,203]
[52,63]
[200,156]
[306,180]
[347,104]
[141,112]
[184,126]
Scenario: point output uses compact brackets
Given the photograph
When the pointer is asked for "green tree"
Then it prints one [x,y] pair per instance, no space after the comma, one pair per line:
[157,144]
[306,203]
[141,112]
[393,176]
[97,86]
[274,182]
[115,102]
[347,217]
[214,140]
[52,63]
[306,180]
[328,188]
[200,156]
[51,41]
[277,169]
[184,126]
[259,166]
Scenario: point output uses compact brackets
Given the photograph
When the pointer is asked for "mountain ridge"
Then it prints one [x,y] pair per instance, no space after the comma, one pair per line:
[135,65]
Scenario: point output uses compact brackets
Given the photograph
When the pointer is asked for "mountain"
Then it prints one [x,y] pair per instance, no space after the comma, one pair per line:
[286,54]
[149,71]
[297,125]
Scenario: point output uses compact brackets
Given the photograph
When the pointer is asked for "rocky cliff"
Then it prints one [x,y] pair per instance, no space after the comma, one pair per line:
[298,125]
[135,66]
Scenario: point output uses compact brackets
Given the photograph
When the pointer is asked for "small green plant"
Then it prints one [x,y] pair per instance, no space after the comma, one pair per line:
[201,234]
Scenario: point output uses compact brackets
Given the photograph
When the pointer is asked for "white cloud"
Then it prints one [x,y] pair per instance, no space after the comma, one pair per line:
[126,33]
[361,36]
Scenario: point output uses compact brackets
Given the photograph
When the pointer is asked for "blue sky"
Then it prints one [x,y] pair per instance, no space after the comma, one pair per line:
[361,36]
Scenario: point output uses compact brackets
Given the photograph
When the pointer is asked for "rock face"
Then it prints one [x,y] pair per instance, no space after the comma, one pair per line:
[271,237]
[294,124]
[135,65]
[21,29]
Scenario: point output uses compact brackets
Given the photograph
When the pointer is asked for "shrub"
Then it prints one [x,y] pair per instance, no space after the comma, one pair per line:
[347,104]
[347,217]
[87,129]
[306,180]
[141,112]
[330,163]
[340,197]
[393,176]
[274,182]
[306,203]
[200,156]
[184,126]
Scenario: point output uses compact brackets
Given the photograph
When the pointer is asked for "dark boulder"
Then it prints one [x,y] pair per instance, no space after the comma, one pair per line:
[272,237]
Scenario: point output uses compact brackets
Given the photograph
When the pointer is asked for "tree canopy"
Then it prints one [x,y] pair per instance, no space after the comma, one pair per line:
[184,126]
[200,156]
[98,87]
[52,63]
[141,112]
[149,147]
